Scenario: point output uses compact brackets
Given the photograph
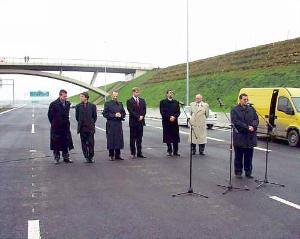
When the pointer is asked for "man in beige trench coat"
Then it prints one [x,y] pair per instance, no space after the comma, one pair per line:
[199,114]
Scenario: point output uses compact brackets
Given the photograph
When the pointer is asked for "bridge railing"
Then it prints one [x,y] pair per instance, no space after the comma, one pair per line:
[73,62]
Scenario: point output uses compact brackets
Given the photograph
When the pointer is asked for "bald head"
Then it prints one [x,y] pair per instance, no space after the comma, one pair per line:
[198,98]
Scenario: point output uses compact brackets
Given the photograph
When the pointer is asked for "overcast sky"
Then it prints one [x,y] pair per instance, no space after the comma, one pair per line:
[136,30]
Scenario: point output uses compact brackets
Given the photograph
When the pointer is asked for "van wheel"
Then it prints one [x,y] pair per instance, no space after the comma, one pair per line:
[210,126]
[293,138]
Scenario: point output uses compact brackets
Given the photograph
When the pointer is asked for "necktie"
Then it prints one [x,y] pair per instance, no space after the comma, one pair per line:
[137,101]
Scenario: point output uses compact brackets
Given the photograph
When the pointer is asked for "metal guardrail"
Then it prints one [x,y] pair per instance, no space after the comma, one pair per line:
[74,62]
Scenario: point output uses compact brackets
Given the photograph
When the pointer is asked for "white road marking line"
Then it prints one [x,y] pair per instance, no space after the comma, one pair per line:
[262,149]
[215,139]
[4,112]
[285,202]
[32,210]
[154,119]
[32,115]
[100,128]
[32,129]
[32,151]
[34,229]
[225,130]
[210,138]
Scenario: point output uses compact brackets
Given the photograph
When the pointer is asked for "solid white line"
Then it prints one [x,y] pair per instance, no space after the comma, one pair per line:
[32,115]
[285,202]
[215,139]
[32,129]
[100,128]
[262,149]
[34,229]
[210,138]
[4,112]
[154,119]
[224,130]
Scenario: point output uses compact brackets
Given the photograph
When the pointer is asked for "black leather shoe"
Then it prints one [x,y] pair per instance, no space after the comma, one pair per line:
[249,176]
[169,154]
[111,158]
[177,154]
[56,161]
[119,158]
[202,153]
[68,161]
[193,152]
[141,156]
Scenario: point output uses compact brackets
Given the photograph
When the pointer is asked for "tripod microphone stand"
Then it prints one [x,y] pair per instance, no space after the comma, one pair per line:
[230,187]
[190,191]
[265,180]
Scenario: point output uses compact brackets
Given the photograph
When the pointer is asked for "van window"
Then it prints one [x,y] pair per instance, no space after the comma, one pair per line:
[297,103]
[284,105]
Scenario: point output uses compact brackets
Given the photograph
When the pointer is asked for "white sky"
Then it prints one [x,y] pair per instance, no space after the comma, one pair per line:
[135,30]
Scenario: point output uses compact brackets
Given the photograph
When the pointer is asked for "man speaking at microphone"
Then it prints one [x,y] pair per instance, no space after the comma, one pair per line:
[170,111]
[245,122]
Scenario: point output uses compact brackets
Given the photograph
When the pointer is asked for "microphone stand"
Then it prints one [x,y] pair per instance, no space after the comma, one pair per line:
[230,187]
[265,180]
[190,191]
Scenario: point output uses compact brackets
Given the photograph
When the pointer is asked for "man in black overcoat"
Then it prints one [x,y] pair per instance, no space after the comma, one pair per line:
[60,134]
[170,111]
[136,107]
[86,116]
[114,113]
[245,121]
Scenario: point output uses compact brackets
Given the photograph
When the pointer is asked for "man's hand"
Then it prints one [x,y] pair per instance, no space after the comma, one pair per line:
[118,115]
[172,118]
[251,129]
[141,118]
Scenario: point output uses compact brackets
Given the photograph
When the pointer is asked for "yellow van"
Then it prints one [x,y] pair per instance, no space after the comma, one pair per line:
[281,108]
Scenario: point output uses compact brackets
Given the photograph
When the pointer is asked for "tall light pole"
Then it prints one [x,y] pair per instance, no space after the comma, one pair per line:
[187,55]
[105,70]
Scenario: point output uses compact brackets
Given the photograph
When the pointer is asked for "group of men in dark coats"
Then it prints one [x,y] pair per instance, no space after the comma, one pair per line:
[60,134]
[244,120]
[114,113]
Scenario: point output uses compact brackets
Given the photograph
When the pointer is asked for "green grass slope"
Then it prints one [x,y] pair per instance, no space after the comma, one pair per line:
[272,65]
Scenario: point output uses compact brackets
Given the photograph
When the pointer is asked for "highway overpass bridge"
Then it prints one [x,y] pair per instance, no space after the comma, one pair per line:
[45,66]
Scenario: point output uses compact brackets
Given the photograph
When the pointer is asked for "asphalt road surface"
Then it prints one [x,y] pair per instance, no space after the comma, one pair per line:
[132,198]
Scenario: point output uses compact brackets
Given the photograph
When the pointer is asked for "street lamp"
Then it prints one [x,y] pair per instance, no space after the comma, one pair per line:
[187,55]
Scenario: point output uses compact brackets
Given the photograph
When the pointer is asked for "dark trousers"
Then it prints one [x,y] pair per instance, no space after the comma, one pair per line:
[173,149]
[65,154]
[136,135]
[114,153]
[243,155]
[87,144]
[201,148]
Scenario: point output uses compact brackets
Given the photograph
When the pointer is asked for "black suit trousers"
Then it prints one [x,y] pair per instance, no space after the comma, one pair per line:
[136,136]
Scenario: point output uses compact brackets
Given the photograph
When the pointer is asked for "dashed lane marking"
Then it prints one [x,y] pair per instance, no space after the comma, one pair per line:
[32,129]
[34,229]
[291,204]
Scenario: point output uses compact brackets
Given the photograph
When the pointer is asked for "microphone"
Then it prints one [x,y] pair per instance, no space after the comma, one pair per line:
[220,102]
[181,103]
